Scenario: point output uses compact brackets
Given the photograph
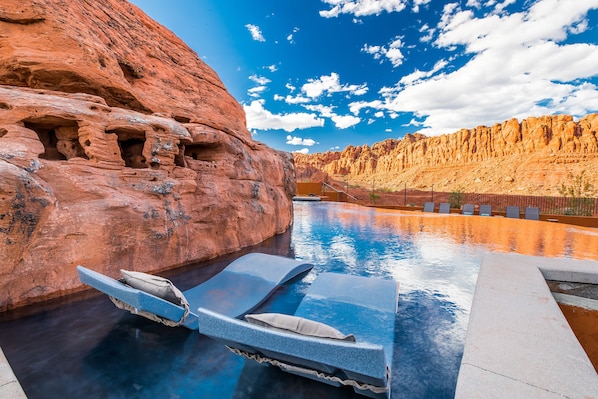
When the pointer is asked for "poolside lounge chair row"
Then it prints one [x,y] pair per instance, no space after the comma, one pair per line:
[468,209]
[530,212]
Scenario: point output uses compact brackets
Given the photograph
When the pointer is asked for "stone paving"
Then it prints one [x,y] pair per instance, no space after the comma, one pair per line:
[9,386]
[519,344]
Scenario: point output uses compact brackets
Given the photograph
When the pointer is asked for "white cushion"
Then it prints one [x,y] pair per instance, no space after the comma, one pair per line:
[297,325]
[155,285]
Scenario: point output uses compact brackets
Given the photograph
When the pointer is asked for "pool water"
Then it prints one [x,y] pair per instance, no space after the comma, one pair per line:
[86,348]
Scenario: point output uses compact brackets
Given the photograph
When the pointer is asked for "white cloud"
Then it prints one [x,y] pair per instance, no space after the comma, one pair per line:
[515,65]
[418,75]
[256,91]
[292,140]
[303,151]
[328,84]
[325,111]
[362,8]
[392,52]
[256,33]
[345,121]
[260,118]
[260,80]
[272,68]
[418,3]
[292,100]
[291,37]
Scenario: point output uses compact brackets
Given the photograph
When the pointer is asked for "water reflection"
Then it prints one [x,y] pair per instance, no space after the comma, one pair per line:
[91,349]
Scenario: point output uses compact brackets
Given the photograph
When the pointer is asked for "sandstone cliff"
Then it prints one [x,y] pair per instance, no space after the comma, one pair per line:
[531,157]
[119,148]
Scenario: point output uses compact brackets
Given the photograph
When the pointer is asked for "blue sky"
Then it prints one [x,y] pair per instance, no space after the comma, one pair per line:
[319,75]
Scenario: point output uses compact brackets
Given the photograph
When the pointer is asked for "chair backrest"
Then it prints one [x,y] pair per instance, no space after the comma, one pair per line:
[429,207]
[532,213]
[467,209]
[513,212]
[445,207]
[485,210]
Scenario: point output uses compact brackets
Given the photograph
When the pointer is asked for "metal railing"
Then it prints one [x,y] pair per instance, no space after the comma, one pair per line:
[548,204]
[328,186]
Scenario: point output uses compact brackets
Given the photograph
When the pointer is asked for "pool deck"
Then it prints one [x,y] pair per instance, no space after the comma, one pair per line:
[519,344]
[9,386]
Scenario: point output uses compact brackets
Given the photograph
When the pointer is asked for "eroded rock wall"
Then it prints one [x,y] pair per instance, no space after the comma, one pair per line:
[531,157]
[120,148]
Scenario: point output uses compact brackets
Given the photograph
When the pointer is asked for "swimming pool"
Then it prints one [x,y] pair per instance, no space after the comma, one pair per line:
[88,348]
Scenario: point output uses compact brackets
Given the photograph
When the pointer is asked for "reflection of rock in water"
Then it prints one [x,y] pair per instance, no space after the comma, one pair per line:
[258,381]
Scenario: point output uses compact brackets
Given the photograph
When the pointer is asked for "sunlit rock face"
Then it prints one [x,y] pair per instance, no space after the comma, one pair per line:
[120,148]
[531,157]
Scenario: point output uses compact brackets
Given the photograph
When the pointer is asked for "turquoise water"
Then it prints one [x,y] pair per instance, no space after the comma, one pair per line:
[89,349]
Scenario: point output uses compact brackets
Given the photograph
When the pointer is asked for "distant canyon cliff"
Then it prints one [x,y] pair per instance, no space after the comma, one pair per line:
[531,157]
[120,148]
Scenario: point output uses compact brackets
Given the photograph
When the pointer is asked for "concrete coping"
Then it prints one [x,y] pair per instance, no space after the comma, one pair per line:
[519,344]
[9,385]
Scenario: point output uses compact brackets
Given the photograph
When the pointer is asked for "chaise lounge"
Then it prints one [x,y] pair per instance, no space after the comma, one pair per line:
[485,210]
[444,207]
[236,290]
[531,213]
[341,334]
[429,207]
[468,209]
[513,212]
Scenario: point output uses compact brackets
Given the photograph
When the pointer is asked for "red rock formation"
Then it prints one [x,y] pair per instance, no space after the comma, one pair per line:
[532,157]
[119,148]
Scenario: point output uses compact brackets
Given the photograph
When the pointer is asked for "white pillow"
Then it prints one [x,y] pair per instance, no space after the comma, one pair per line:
[298,325]
[155,285]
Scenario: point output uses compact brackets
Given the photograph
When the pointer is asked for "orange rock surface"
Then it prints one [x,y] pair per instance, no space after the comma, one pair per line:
[531,157]
[119,148]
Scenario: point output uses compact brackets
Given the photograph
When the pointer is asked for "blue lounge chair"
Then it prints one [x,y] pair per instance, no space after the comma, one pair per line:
[429,207]
[236,290]
[513,212]
[468,209]
[445,207]
[485,210]
[531,213]
[312,343]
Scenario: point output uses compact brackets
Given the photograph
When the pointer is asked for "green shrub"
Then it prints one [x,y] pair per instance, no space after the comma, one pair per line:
[456,198]
[580,193]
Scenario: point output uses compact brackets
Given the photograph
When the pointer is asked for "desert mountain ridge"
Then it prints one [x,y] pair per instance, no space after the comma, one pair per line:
[531,157]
